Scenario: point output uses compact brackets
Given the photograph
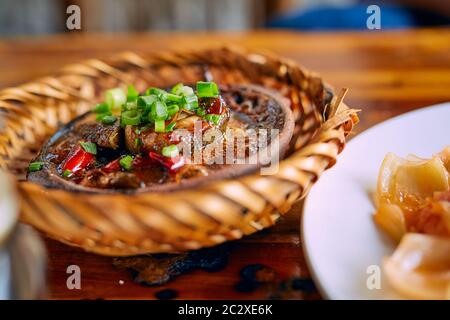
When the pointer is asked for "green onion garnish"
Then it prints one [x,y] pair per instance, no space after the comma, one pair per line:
[35,166]
[108,119]
[89,147]
[190,99]
[201,112]
[145,104]
[126,162]
[130,118]
[101,108]
[176,89]
[170,151]
[174,98]
[181,90]
[156,106]
[171,126]
[172,110]
[132,93]
[207,89]
[115,98]
[100,116]
[160,93]
[160,126]
[190,102]
[158,111]
[187,91]
[130,106]
[67,173]
[214,118]
[146,100]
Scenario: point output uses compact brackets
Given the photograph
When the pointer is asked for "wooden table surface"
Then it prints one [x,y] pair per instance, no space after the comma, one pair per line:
[388,73]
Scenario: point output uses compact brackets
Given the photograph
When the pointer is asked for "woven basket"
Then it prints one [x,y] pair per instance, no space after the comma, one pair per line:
[210,214]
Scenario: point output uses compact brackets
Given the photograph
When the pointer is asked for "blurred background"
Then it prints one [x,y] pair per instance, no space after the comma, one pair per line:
[32,17]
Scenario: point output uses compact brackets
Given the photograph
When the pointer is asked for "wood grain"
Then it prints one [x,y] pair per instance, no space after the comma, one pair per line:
[388,73]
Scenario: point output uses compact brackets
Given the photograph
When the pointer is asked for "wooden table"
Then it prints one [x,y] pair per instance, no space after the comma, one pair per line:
[388,73]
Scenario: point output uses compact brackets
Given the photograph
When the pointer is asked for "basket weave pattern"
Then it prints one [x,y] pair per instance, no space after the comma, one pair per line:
[182,220]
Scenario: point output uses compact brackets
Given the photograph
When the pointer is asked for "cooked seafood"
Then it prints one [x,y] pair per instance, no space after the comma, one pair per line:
[135,141]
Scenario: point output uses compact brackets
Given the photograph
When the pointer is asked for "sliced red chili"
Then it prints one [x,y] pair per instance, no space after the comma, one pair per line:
[112,166]
[213,105]
[172,164]
[78,160]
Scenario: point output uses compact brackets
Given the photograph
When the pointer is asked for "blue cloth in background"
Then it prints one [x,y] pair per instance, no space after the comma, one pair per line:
[355,17]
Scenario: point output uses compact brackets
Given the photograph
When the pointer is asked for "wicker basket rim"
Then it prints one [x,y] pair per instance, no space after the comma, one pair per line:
[232,208]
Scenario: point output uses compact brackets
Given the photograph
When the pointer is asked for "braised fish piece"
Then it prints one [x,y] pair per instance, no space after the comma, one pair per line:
[138,141]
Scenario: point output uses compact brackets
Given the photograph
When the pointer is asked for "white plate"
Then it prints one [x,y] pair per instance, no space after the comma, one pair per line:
[8,219]
[340,238]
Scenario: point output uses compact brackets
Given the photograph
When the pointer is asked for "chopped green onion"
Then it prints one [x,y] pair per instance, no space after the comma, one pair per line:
[160,93]
[132,93]
[190,102]
[174,98]
[170,151]
[130,106]
[201,112]
[115,98]
[187,91]
[35,166]
[130,118]
[146,100]
[181,90]
[160,126]
[170,126]
[158,111]
[126,162]
[101,108]
[190,107]
[67,173]
[89,147]
[172,110]
[214,118]
[207,89]
[190,99]
[176,89]
[100,116]
[108,119]
[145,104]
